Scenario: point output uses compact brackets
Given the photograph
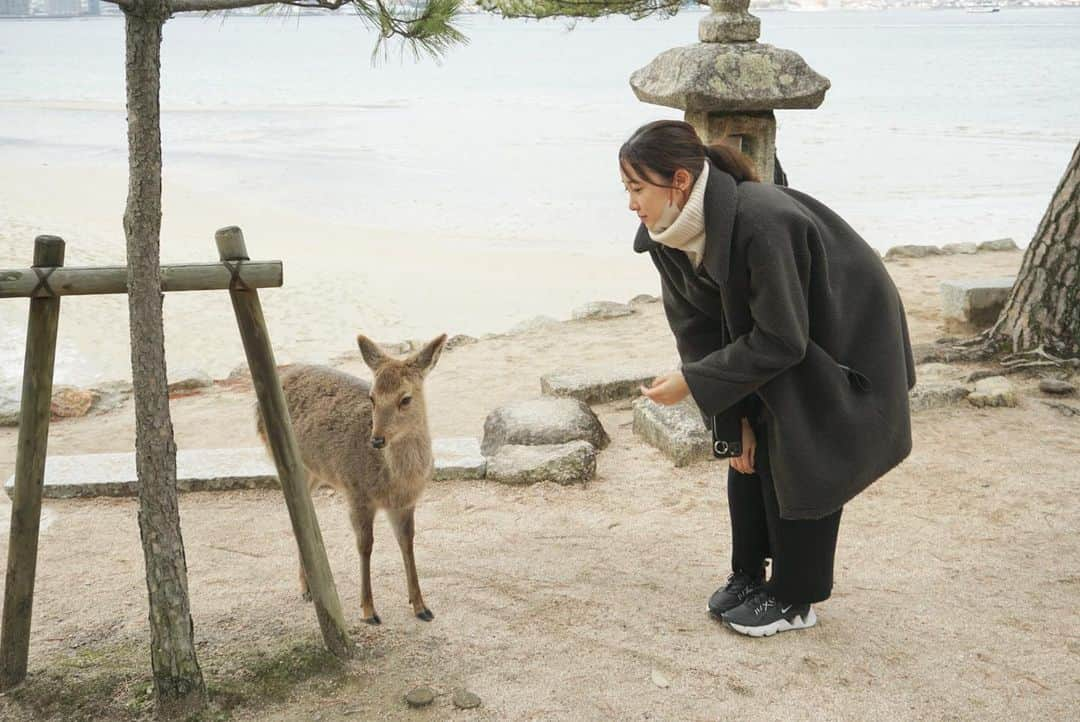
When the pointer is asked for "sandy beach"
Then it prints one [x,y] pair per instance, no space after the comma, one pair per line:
[955,598]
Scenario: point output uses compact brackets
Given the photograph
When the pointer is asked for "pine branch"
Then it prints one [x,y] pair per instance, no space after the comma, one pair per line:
[539,9]
[427,28]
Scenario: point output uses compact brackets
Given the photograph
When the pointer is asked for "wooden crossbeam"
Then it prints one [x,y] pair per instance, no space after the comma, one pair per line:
[49,282]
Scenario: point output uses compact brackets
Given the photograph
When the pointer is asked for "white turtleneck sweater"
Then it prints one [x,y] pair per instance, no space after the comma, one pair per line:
[687,231]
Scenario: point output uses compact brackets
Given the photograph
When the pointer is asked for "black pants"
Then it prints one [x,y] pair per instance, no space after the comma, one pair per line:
[802,550]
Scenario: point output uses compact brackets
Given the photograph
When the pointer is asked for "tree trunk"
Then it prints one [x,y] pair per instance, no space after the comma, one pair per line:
[178,682]
[1044,306]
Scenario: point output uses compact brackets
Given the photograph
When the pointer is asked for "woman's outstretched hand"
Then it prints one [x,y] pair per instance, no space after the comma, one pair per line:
[744,464]
[668,389]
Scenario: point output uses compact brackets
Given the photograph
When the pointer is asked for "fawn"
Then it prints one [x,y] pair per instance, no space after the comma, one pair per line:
[371,442]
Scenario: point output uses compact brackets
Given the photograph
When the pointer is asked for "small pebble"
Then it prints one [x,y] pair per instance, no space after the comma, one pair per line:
[660,680]
[1056,386]
[420,697]
[464,699]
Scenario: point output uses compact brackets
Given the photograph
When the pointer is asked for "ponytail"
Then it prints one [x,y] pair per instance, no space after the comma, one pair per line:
[658,149]
[733,162]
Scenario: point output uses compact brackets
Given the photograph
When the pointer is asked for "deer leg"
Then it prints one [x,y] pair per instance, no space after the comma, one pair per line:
[404,530]
[362,520]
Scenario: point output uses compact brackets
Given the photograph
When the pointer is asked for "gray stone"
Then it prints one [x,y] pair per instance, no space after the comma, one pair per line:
[542,422]
[678,431]
[737,77]
[642,299]
[912,251]
[596,388]
[977,302]
[1056,387]
[996,391]
[420,697]
[729,22]
[189,380]
[458,341]
[602,310]
[395,348]
[537,323]
[9,405]
[562,463]
[458,459]
[959,248]
[999,244]
[239,372]
[935,394]
[464,699]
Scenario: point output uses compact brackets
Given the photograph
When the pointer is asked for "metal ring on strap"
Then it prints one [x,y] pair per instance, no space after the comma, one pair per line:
[236,283]
[42,289]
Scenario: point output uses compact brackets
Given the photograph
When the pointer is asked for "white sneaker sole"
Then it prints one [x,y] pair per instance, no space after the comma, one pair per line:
[781,625]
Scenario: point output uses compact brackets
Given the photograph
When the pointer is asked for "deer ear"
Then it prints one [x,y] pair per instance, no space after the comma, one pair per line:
[426,358]
[373,355]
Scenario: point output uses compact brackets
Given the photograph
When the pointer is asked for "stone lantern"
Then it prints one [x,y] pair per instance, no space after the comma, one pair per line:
[729,85]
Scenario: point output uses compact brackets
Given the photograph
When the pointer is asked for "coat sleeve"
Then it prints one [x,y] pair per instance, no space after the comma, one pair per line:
[779,265]
[696,335]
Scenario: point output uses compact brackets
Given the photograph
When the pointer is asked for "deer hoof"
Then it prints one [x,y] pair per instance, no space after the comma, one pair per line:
[373,619]
[426,615]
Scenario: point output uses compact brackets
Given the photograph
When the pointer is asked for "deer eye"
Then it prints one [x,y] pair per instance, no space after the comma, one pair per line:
[406,401]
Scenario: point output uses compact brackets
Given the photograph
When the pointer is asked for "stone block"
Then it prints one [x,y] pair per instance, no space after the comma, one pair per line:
[976,302]
[678,431]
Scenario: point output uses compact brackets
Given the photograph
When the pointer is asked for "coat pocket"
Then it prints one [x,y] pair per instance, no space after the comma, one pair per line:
[857,379]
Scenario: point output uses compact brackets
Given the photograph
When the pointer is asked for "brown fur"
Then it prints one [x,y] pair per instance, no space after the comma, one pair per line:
[335,416]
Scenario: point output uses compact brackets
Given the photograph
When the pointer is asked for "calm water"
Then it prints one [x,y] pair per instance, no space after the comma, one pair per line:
[940,126]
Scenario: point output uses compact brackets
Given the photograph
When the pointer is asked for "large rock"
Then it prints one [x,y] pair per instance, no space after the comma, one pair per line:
[189,380]
[937,384]
[458,459]
[912,251]
[976,302]
[935,394]
[1057,387]
[733,77]
[678,431]
[562,463]
[537,323]
[999,244]
[69,402]
[598,387]
[9,404]
[601,310]
[542,422]
[959,248]
[995,391]
[459,340]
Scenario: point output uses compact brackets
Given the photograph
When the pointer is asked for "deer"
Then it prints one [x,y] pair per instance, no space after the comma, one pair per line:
[370,442]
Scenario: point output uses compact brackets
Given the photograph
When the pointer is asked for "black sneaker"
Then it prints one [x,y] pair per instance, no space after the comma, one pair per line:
[762,615]
[739,586]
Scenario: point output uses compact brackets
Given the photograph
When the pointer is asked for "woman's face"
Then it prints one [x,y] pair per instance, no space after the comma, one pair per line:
[648,199]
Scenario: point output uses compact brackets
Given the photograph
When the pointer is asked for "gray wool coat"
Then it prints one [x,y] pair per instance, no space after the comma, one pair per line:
[792,304]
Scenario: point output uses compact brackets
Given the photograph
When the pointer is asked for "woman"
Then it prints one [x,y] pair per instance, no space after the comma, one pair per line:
[788,327]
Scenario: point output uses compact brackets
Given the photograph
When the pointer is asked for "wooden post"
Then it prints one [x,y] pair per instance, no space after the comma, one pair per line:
[30,468]
[290,467]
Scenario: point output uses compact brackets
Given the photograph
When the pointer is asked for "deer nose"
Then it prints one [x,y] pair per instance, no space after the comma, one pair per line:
[378,442]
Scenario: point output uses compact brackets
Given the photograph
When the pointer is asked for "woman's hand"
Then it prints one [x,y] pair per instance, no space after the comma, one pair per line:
[668,389]
[745,464]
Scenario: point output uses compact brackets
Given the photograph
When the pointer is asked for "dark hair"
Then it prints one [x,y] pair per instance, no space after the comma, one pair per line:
[664,146]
